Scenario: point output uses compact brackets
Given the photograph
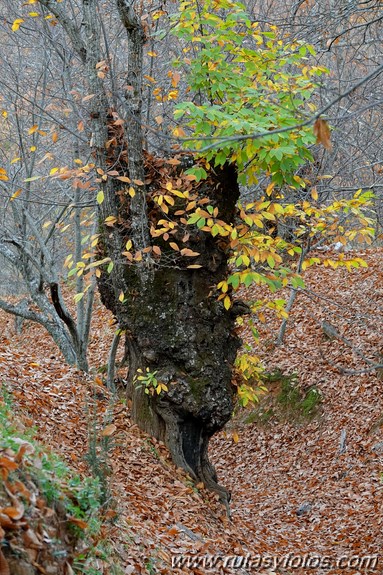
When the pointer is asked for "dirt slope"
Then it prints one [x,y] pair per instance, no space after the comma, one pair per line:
[294,489]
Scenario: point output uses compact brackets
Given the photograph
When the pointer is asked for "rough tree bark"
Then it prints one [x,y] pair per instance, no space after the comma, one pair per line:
[176,327]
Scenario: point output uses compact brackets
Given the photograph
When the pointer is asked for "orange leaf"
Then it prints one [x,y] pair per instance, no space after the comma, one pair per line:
[15,512]
[175,79]
[322,133]
[109,430]
[79,522]
[6,522]
[31,540]
[189,252]
[8,463]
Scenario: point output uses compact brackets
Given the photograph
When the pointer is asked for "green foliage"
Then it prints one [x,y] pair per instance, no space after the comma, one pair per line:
[294,402]
[259,257]
[253,90]
[149,381]
[286,401]
[250,370]
[250,105]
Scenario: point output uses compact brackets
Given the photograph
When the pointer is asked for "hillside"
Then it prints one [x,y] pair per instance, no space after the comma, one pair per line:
[303,488]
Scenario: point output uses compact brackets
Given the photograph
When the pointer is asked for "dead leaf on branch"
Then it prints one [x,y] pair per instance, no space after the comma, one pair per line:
[323,133]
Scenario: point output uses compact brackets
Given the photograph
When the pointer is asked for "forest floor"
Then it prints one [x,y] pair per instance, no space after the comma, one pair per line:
[302,490]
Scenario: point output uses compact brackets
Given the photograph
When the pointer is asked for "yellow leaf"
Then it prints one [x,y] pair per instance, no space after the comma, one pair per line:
[110,220]
[100,197]
[121,297]
[194,266]
[33,148]
[131,192]
[270,188]
[227,302]
[33,129]
[235,437]
[16,194]
[314,194]
[16,24]
[33,14]
[152,54]
[4,113]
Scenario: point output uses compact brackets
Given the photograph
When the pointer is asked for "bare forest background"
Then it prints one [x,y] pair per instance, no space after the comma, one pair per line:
[43,85]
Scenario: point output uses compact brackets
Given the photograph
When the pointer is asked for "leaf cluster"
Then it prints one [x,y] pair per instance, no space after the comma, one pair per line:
[248,80]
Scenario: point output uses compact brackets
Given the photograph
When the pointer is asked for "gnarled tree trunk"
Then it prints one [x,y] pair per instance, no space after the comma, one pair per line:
[176,327]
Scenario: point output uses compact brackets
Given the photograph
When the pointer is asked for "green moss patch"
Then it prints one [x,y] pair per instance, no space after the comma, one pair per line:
[285,400]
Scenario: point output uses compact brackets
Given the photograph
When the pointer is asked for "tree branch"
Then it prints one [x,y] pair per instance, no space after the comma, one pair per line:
[72,31]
